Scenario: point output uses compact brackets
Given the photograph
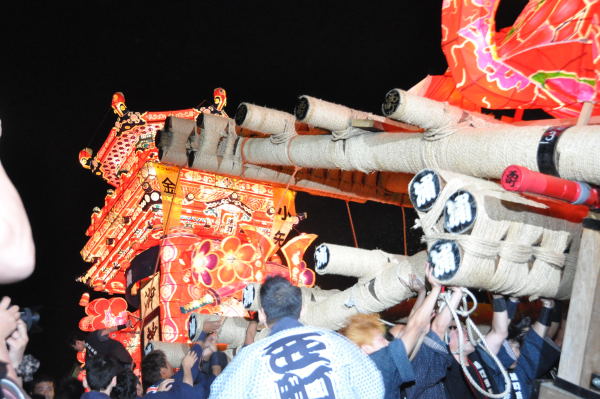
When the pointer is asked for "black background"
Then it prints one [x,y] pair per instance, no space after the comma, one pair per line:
[61,63]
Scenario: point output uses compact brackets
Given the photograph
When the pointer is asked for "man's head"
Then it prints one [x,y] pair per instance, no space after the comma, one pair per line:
[126,387]
[155,367]
[453,340]
[69,388]
[516,335]
[101,374]
[279,299]
[366,331]
[76,340]
[44,386]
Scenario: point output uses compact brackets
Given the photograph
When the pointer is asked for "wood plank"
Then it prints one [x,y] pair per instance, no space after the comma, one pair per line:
[581,342]
[549,391]
[591,361]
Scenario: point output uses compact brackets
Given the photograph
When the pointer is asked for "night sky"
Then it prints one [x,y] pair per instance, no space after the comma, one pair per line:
[61,63]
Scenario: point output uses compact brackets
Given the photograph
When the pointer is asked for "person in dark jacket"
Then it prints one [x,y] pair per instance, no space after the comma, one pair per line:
[127,385]
[391,358]
[532,355]
[161,382]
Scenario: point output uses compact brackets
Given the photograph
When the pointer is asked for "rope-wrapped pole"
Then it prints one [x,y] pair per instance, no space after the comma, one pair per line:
[211,129]
[330,308]
[231,332]
[330,116]
[173,140]
[251,297]
[351,262]
[174,351]
[280,125]
[433,116]
[479,152]
[386,289]
[481,236]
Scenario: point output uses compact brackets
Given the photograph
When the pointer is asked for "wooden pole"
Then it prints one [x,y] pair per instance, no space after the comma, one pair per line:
[586,113]
[581,345]
[580,357]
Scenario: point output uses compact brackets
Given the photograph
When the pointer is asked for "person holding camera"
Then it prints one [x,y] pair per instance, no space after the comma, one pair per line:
[13,331]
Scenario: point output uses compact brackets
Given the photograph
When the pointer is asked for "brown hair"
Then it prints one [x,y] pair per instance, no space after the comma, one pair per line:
[361,328]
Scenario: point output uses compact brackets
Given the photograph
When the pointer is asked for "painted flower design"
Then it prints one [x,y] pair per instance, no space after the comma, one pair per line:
[203,262]
[103,313]
[306,277]
[236,260]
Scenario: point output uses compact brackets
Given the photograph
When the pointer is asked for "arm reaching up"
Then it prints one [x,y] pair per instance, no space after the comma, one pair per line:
[442,321]
[418,286]
[555,321]
[499,332]
[186,364]
[543,322]
[512,303]
[420,319]
[251,332]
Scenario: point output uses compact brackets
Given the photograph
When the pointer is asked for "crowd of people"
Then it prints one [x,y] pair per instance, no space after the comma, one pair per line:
[431,354]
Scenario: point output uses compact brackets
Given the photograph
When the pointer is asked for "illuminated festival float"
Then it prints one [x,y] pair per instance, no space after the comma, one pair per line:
[202,205]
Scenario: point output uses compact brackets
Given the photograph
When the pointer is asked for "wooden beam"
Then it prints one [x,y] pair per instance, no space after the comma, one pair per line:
[549,391]
[581,345]
[586,113]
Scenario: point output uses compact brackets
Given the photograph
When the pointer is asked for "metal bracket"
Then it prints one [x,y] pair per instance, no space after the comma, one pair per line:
[595,382]
[575,389]
[592,221]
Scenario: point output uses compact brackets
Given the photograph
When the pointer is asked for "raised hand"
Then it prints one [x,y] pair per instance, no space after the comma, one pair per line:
[9,317]
[165,385]
[17,342]
[186,364]
[547,302]
[430,278]
[209,346]
[188,360]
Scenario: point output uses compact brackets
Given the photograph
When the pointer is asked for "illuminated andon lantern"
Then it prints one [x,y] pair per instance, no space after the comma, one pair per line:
[212,234]
[175,279]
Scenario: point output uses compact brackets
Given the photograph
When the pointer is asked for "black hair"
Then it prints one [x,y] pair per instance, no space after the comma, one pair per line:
[69,388]
[37,379]
[99,372]
[517,330]
[279,299]
[75,335]
[126,387]
[151,365]
[41,378]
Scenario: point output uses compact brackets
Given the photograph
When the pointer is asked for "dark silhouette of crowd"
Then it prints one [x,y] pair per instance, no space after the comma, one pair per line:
[430,353]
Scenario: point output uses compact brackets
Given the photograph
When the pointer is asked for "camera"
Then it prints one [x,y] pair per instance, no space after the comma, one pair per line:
[29,317]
